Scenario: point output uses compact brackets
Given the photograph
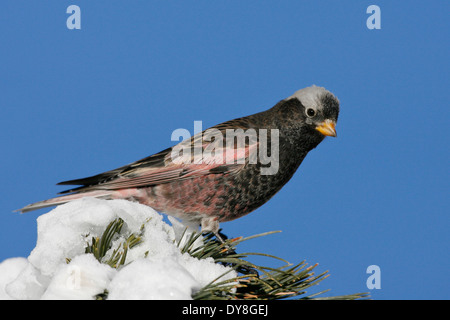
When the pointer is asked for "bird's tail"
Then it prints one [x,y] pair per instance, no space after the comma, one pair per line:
[101,194]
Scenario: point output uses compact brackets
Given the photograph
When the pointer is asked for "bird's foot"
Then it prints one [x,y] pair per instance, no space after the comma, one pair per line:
[223,239]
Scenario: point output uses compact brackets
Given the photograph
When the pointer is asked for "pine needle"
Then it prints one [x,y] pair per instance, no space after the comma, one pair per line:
[253,282]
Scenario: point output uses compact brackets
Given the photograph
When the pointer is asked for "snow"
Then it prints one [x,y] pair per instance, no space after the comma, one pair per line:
[171,274]
[59,268]
[9,271]
[82,278]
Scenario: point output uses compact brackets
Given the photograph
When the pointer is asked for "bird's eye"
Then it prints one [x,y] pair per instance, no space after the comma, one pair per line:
[310,112]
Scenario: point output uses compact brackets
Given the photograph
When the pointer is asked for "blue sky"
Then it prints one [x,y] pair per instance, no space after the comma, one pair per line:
[74,103]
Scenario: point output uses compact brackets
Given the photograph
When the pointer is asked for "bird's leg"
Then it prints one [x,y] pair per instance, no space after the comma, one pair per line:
[211,225]
[219,237]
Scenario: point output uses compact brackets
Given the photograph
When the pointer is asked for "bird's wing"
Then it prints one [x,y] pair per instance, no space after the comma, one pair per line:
[205,153]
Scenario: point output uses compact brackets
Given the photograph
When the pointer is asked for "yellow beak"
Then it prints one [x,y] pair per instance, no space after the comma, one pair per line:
[327,128]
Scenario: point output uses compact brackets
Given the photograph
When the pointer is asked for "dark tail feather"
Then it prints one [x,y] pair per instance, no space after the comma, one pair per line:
[101,194]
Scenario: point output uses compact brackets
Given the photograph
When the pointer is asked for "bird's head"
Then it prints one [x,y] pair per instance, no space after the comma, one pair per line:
[317,108]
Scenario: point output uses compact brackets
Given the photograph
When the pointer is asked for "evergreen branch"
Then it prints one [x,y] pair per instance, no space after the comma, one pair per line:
[288,281]
[252,282]
[100,245]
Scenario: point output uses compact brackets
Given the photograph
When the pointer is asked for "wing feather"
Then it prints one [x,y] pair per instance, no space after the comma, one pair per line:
[167,166]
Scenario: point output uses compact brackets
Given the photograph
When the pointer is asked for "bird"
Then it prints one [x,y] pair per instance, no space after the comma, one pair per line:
[205,181]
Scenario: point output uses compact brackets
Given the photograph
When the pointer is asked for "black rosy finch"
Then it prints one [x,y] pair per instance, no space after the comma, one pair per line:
[224,172]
